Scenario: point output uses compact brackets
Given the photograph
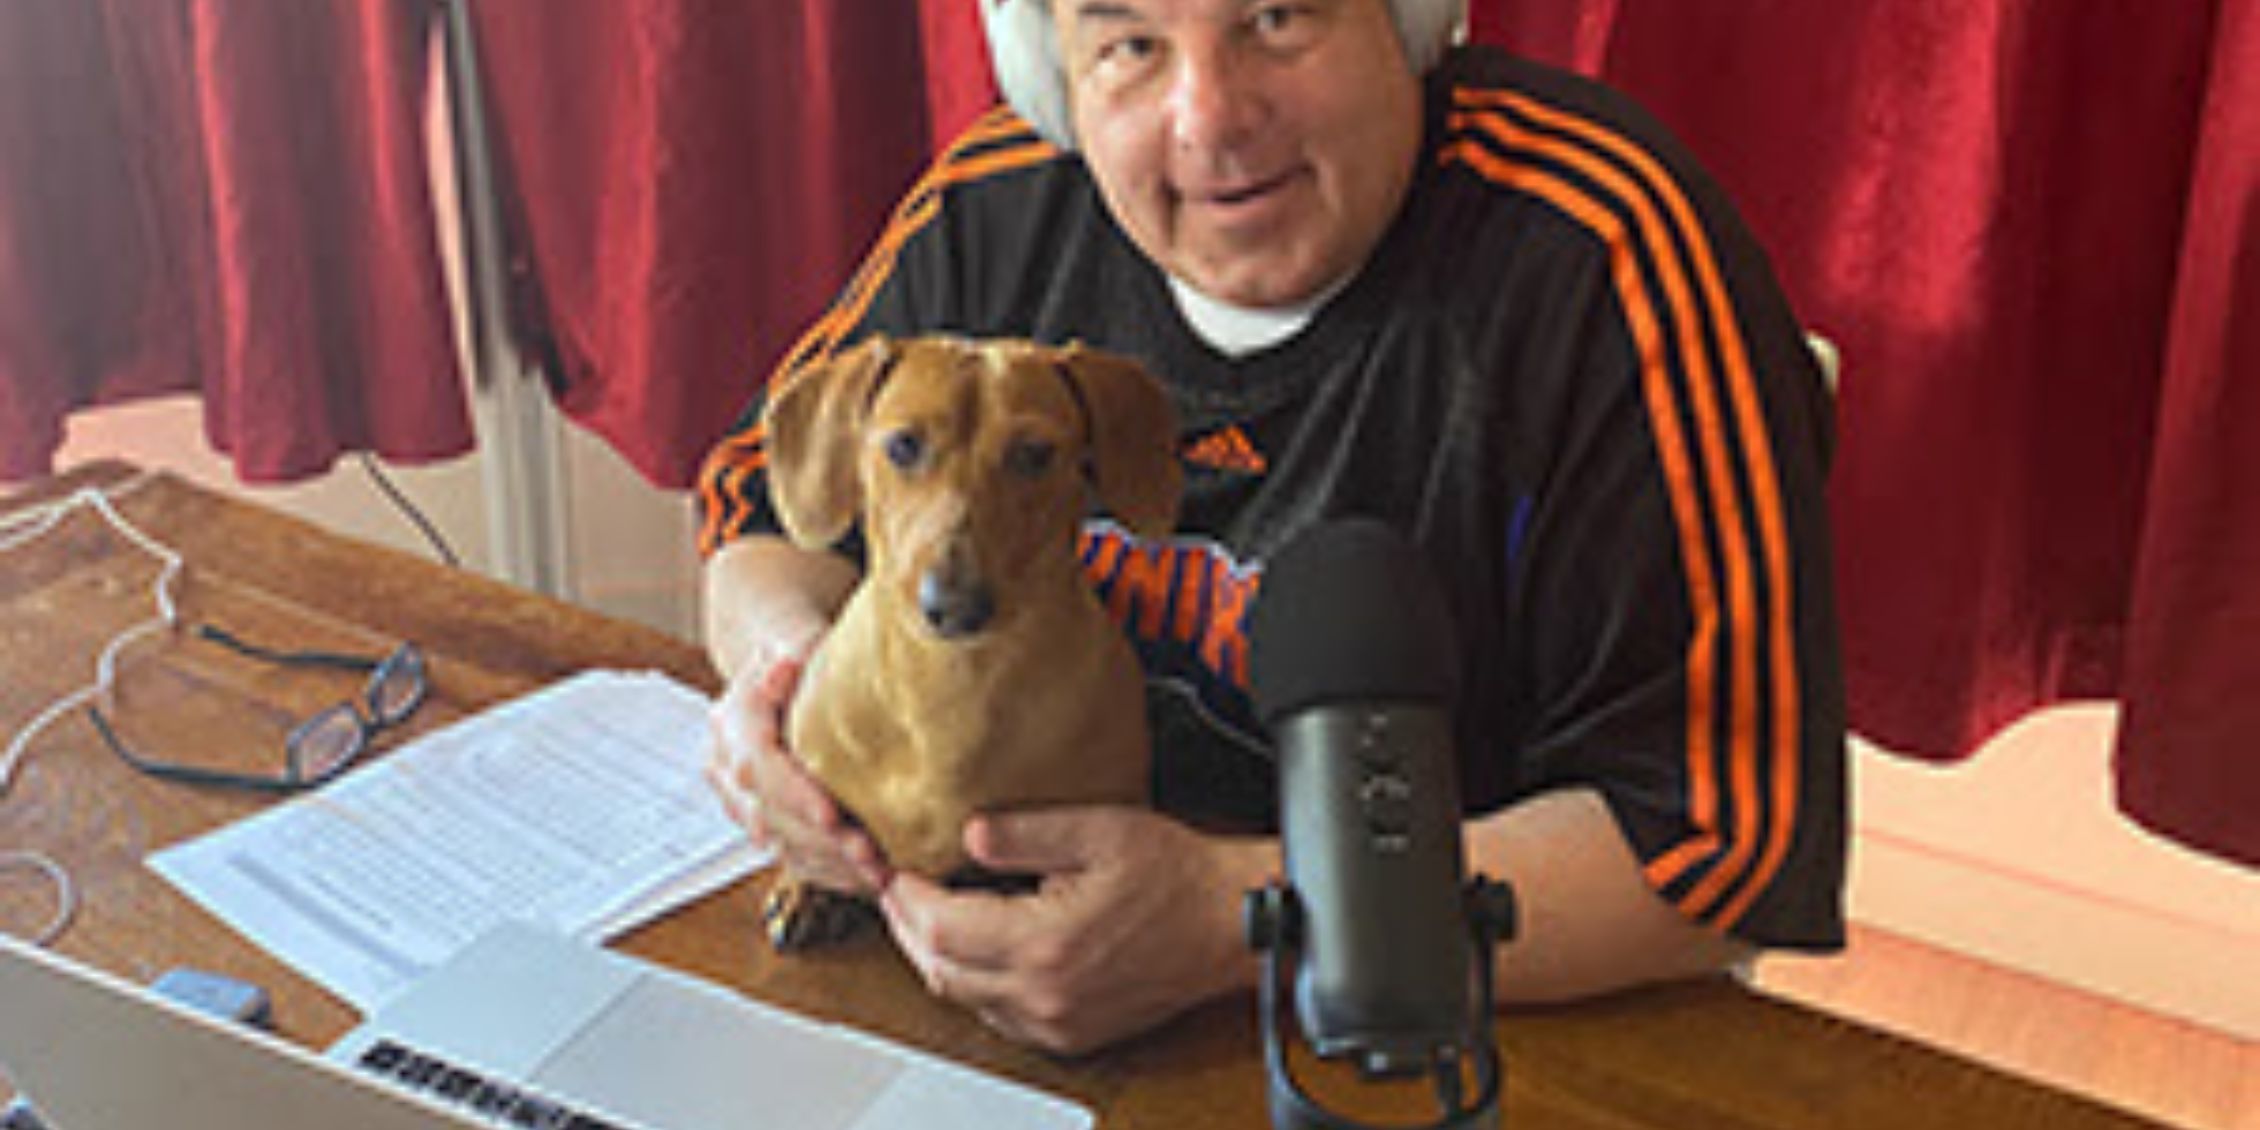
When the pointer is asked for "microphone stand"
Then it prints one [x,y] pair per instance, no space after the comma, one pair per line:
[1274,926]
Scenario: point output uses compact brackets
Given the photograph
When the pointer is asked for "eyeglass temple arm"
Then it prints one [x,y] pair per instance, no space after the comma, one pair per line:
[189,774]
[230,640]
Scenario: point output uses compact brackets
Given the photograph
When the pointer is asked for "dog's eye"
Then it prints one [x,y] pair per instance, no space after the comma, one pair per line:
[1028,459]
[904,449]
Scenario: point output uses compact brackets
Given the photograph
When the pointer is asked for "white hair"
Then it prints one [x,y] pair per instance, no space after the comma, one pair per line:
[1024,49]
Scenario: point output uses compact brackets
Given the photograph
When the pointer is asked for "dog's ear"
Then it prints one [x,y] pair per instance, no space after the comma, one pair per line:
[1133,438]
[814,424]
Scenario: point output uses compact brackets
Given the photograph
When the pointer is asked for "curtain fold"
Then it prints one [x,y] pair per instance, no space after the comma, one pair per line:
[690,181]
[2188,761]
[227,196]
[959,87]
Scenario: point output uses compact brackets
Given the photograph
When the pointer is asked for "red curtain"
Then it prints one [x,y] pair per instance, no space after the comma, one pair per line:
[2190,729]
[959,87]
[690,181]
[227,196]
[2029,225]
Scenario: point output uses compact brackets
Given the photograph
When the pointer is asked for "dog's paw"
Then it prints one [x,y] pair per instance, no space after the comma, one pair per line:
[802,916]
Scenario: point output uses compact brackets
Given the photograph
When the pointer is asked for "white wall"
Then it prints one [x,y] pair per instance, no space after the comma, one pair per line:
[167,433]
[629,545]
[2018,856]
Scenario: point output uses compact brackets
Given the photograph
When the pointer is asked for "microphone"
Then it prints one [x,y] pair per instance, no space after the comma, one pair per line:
[1354,671]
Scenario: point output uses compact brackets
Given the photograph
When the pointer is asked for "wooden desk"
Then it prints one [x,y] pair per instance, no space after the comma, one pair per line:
[1693,1057]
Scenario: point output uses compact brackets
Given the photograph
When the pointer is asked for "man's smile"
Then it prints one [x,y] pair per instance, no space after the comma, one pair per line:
[1240,199]
[1243,192]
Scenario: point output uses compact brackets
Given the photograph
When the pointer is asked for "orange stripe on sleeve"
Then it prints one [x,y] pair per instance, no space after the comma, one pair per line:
[738,457]
[1690,851]
[719,481]
[1756,446]
[1671,447]
[915,213]
[1742,723]
[1765,484]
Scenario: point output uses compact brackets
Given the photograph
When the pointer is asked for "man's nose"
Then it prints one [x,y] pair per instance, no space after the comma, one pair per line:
[1213,100]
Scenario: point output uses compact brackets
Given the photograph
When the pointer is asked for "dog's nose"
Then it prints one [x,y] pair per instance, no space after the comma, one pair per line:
[955,610]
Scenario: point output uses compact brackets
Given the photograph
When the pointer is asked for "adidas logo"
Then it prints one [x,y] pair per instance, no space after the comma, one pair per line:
[1227,450]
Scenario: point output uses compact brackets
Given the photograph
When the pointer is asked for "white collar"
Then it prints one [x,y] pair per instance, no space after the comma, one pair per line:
[1237,331]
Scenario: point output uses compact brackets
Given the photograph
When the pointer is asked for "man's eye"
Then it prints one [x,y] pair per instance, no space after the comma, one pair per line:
[1283,24]
[1120,60]
[905,448]
[1124,49]
[1028,459]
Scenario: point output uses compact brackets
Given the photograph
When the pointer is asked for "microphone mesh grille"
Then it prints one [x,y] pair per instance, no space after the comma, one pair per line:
[1348,612]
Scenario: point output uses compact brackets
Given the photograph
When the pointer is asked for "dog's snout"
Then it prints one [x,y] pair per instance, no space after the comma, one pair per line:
[955,609]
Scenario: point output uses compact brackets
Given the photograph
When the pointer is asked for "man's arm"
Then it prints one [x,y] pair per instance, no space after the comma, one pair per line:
[1588,921]
[768,603]
[1138,918]
[767,599]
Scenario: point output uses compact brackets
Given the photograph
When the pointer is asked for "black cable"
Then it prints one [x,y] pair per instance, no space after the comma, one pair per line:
[423,524]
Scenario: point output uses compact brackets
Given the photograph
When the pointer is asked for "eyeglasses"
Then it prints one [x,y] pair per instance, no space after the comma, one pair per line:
[322,746]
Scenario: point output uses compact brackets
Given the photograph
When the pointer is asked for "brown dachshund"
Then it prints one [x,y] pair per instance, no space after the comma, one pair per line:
[973,669]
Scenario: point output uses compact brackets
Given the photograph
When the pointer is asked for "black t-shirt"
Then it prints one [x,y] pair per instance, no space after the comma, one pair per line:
[1566,373]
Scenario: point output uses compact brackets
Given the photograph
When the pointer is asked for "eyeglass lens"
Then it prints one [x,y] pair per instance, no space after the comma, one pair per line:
[326,742]
[397,687]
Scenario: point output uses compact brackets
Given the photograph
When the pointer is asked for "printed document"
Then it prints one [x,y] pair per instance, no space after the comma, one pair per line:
[580,807]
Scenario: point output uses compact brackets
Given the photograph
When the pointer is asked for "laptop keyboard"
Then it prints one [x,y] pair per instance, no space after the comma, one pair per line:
[500,1103]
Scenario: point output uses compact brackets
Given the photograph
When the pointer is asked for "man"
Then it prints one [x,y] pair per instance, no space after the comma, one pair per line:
[1487,301]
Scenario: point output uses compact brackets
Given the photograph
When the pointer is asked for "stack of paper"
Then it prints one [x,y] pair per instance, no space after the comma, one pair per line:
[580,807]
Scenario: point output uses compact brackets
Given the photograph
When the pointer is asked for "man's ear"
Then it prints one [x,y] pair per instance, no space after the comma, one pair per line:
[813,424]
[1133,438]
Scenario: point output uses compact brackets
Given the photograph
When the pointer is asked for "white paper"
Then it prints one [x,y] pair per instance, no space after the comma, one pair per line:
[580,807]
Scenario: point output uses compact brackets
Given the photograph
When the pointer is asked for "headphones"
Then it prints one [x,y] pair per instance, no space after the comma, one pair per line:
[1024,49]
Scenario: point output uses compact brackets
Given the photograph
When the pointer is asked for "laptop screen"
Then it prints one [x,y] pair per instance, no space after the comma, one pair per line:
[93,1052]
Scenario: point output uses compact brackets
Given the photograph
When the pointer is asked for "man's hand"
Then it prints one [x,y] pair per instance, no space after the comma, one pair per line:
[1136,918]
[767,790]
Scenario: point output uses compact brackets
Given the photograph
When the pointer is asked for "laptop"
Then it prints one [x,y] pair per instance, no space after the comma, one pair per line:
[523,1028]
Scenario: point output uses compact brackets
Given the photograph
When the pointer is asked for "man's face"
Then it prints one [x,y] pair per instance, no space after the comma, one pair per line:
[1256,149]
